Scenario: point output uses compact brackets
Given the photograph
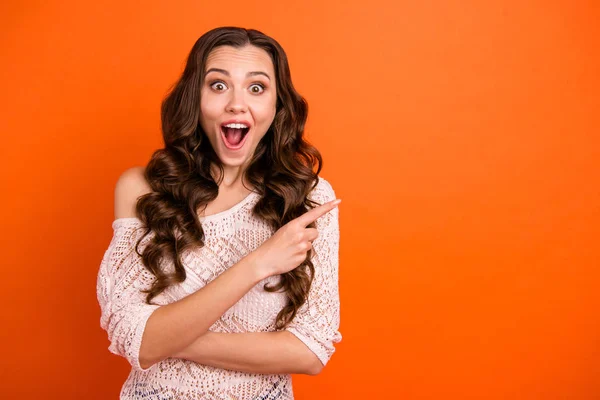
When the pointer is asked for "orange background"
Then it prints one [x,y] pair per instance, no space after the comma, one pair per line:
[461,135]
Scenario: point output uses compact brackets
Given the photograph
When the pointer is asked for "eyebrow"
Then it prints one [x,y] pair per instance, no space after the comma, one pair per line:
[224,72]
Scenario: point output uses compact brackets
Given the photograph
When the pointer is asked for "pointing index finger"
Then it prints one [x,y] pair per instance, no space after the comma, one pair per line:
[317,212]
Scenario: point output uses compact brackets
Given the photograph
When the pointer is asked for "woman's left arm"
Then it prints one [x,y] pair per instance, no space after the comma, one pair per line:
[307,343]
[253,352]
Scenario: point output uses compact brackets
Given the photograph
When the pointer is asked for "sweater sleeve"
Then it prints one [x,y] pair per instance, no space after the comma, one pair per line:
[124,311]
[317,321]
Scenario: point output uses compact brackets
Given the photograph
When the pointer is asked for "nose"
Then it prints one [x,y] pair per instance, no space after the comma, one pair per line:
[237,102]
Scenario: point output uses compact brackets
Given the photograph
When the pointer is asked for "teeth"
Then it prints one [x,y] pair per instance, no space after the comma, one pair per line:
[236,126]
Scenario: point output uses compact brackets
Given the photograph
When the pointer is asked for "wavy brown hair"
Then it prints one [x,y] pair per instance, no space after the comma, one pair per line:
[283,170]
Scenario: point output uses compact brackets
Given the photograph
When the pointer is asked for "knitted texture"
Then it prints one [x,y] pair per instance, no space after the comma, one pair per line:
[229,236]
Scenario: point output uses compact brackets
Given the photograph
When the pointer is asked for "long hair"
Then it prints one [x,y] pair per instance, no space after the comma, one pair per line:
[283,170]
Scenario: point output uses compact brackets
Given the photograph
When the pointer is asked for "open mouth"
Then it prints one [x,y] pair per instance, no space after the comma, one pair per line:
[234,135]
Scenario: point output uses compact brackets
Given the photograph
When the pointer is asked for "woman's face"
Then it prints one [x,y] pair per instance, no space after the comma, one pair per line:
[237,101]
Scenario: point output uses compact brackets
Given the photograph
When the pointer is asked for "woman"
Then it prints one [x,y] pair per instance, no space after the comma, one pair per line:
[221,278]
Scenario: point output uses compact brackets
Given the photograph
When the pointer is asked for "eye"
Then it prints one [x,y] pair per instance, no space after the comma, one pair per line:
[218,86]
[257,88]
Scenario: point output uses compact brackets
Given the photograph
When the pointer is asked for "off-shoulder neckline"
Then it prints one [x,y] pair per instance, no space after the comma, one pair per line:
[212,217]
[230,210]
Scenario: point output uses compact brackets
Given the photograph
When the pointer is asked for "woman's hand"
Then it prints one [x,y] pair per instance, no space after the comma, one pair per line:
[287,248]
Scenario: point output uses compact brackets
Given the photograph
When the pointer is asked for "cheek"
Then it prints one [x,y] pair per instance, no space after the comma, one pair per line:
[266,112]
[209,111]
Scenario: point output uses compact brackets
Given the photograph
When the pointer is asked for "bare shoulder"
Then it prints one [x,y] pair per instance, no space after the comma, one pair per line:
[130,186]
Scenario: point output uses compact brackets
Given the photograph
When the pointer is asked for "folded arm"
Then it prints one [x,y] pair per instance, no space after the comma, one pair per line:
[145,334]
[254,352]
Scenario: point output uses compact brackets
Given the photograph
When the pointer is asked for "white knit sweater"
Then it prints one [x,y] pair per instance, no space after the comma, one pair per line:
[229,236]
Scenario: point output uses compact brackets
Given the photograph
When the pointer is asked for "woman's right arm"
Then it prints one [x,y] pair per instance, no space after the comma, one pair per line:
[169,328]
